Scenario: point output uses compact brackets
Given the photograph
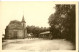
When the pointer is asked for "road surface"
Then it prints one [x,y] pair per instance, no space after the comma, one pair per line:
[37,44]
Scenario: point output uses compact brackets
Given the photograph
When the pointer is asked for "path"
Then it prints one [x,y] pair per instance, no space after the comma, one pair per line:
[37,44]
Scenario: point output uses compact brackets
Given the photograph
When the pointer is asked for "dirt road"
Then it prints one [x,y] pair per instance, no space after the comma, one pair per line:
[37,44]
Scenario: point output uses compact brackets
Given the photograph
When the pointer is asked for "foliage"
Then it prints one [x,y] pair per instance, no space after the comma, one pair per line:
[36,30]
[62,22]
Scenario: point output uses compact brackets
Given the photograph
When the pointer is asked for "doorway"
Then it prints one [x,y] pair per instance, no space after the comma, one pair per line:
[15,34]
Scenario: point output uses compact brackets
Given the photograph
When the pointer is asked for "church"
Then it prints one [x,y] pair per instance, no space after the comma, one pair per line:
[16,30]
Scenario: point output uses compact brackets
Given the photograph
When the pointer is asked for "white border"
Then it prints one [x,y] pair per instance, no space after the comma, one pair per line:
[39,0]
[45,0]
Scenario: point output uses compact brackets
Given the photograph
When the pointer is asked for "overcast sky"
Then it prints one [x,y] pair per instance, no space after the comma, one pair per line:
[35,13]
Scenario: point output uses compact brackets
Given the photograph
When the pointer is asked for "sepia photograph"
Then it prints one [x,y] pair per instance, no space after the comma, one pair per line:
[39,25]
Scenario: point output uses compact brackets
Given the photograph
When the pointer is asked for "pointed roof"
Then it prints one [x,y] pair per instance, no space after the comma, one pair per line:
[23,19]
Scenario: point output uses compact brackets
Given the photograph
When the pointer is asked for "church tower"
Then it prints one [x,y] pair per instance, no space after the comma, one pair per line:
[23,23]
[24,27]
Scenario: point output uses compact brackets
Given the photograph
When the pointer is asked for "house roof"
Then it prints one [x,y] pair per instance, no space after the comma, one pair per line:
[45,32]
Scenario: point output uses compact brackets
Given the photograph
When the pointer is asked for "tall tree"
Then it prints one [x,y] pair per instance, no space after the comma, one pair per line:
[62,22]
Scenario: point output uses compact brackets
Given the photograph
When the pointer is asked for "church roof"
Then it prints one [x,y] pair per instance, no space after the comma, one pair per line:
[15,25]
[15,21]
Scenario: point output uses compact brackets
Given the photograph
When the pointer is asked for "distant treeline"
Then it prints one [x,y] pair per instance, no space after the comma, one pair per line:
[35,30]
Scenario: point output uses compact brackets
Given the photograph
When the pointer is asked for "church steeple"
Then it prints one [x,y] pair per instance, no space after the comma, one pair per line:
[23,19]
[24,26]
[23,22]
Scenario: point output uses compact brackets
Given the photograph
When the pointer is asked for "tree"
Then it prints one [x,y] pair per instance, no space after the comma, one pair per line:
[35,30]
[62,22]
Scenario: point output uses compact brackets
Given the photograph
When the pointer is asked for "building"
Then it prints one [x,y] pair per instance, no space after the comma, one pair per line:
[16,30]
[45,34]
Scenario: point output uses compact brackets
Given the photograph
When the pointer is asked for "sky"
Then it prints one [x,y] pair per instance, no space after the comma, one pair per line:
[35,13]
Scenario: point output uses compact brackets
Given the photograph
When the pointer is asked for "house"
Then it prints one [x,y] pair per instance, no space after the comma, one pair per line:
[45,34]
[16,30]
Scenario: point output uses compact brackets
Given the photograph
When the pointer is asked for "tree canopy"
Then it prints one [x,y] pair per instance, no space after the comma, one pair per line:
[62,22]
